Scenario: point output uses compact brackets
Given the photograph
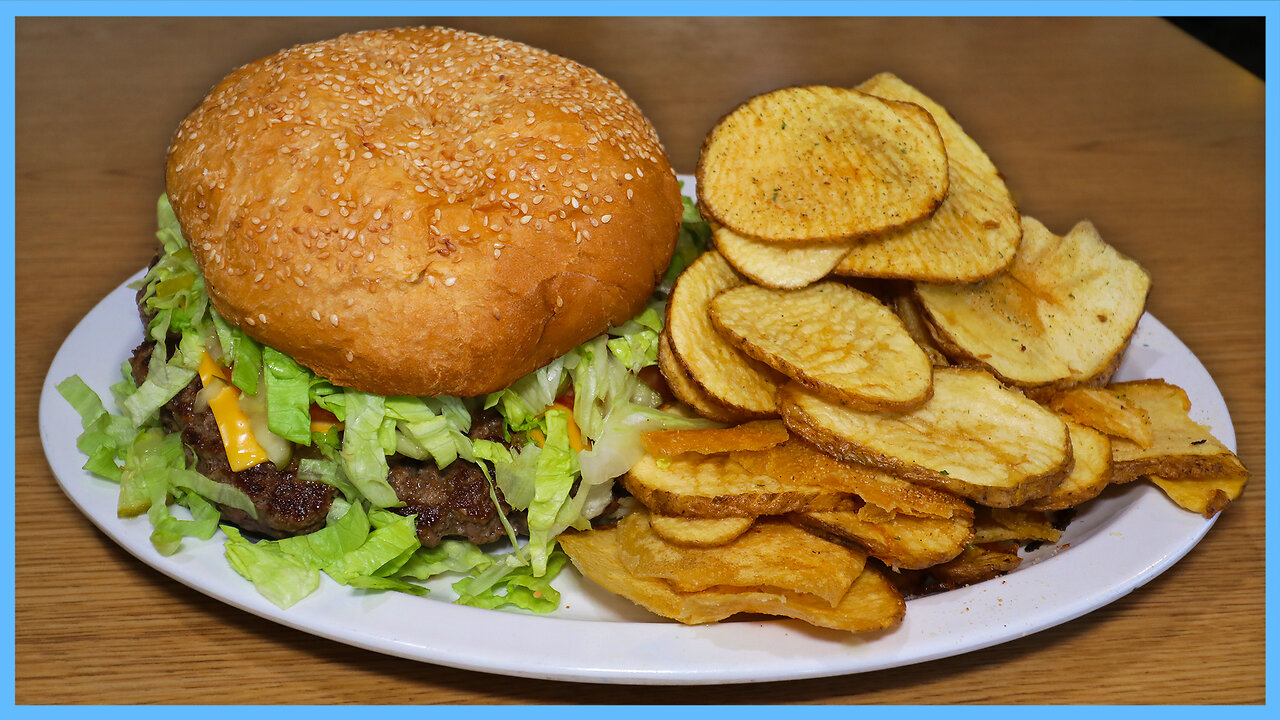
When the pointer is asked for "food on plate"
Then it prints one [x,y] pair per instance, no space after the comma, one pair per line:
[771,554]
[697,531]
[789,265]
[1060,315]
[1180,446]
[405,291]
[900,541]
[871,364]
[872,602]
[974,437]
[1205,495]
[754,435]
[729,376]
[1106,412]
[1090,471]
[687,391]
[909,313]
[976,564]
[998,525]
[974,233]
[821,163]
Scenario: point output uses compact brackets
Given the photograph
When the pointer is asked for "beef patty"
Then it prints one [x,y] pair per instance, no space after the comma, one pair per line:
[454,502]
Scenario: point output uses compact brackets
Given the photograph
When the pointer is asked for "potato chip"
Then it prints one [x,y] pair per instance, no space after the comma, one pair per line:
[829,337]
[1060,315]
[994,525]
[1207,495]
[1090,475]
[908,311]
[1104,411]
[1180,447]
[699,532]
[880,490]
[976,564]
[904,542]
[721,370]
[974,437]
[714,486]
[771,555]
[872,603]
[779,265]
[821,163]
[975,232]
[687,391]
[755,435]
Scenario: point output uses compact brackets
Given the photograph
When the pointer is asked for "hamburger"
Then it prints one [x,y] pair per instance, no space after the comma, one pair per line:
[404,302]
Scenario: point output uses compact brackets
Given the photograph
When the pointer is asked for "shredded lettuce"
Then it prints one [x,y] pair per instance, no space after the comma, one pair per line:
[363,459]
[288,396]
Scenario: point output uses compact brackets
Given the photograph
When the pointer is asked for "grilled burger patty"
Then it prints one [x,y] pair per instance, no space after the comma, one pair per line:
[453,502]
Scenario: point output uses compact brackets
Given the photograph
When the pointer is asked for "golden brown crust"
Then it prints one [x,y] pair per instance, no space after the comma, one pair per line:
[422,210]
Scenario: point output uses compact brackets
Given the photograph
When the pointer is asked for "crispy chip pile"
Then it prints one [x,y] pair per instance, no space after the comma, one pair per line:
[907,430]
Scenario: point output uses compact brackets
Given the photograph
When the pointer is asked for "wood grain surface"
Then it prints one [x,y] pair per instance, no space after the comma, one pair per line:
[1127,122]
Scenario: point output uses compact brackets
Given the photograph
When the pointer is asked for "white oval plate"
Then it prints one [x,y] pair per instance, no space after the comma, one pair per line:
[1117,543]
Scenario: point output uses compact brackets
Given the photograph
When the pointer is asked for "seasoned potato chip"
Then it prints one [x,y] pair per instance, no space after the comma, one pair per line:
[905,542]
[714,486]
[789,477]
[880,490]
[1090,475]
[699,532]
[974,565]
[1104,411]
[754,435]
[821,163]
[908,311]
[994,525]
[829,337]
[687,391]
[974,437]
[975,232]
[779,265]
[1180,447]
[1060,315]
[725,373]
[771,555]
[872,603]
[1207,495]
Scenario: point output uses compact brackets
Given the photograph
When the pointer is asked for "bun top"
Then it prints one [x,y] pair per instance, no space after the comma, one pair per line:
[423,211]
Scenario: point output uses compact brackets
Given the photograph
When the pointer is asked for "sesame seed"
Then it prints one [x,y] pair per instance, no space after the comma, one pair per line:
[449,281]
[333,320]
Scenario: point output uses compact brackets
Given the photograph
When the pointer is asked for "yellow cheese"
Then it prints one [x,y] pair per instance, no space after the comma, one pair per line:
[243,449]
[575,433]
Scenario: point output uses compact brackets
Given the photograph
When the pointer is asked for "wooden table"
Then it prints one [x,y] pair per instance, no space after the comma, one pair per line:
[1127,122]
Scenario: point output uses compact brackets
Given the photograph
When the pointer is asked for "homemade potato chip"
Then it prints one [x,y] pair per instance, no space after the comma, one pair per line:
[714,486]
[974,437]
[993,525]
[771,555]
[715,365]
[687,391]
[779,265]
[872,603]
[1090,475]
[699,532]
[905,542]
[880,490]
[821,163]
[1207,495]
[829,337]
[1104,411]
[973,235]
[755,435]
[976,564]
[1060,315]
[1180,447]
[908,311]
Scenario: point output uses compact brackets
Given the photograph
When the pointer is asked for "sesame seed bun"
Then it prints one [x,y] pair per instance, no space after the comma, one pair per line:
[423,211]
